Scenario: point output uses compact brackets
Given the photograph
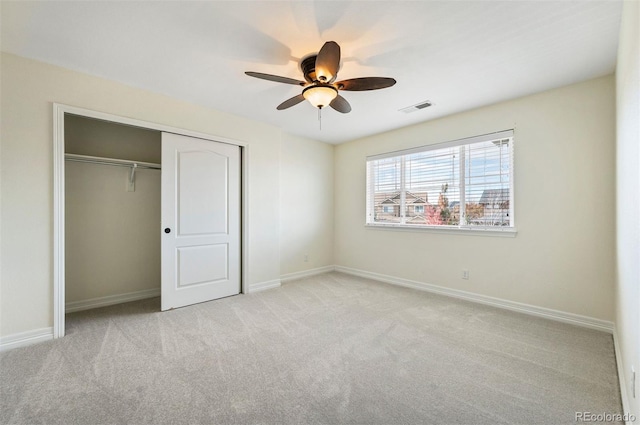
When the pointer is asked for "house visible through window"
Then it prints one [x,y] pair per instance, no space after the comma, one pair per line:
[466,183]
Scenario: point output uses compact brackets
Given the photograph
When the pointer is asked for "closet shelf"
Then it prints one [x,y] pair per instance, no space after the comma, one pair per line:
[110,161]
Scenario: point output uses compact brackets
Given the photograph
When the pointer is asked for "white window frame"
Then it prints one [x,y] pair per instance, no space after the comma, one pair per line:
[509,231]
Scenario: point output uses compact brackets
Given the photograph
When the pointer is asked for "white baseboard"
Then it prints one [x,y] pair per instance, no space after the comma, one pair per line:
[559,316]
[306,273]
[263,286]
[621,375]
[23,339]
[72,307]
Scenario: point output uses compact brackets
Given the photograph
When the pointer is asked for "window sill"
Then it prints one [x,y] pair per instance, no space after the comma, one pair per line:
[486,231]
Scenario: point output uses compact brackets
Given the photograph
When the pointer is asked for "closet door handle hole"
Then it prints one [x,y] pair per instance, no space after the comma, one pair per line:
[167,230]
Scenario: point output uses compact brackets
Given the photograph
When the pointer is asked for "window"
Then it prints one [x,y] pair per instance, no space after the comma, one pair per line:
[464,184]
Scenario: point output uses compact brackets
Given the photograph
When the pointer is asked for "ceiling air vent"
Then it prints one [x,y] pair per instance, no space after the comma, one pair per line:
[416,107]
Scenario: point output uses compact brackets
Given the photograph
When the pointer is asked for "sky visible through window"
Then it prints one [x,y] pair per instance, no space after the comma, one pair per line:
[486,167]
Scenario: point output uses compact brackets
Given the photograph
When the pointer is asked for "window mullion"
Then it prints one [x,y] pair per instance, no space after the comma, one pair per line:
[371,192]
[403,191]
[511,184]
[461,188]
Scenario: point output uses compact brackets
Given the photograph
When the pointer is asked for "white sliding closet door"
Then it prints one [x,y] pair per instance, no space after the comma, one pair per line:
[200,220]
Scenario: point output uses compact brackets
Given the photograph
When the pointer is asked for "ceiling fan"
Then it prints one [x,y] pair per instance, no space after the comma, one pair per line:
[320,89]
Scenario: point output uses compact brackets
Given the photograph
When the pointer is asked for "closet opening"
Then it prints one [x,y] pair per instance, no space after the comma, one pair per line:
[112,213]
[143,210]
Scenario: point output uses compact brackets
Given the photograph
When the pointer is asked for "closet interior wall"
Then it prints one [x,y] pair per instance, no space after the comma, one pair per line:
[112,234]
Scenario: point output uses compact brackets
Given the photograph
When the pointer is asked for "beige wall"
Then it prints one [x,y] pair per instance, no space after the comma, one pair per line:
[86,136]
[628,199]
[112,239]
[28,90]
[306,209]
[112,236]
[563,255]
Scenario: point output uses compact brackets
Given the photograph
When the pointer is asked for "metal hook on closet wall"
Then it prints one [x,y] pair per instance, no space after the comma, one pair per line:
[132,177]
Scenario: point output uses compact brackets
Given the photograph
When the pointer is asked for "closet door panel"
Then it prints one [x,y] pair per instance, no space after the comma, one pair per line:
[200,211]
[202,264]
[200,220]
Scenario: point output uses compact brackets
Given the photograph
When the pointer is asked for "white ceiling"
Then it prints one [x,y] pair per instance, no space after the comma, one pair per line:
[457,54]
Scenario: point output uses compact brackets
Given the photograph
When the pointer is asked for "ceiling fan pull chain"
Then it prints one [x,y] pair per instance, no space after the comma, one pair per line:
[320,118]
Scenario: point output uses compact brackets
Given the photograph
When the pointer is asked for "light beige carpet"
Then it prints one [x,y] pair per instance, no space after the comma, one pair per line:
[331,349]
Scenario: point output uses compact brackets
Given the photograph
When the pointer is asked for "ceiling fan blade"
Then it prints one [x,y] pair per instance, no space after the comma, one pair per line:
[290,102]
[276,78]
[328,62]
[340,104]
[366,83]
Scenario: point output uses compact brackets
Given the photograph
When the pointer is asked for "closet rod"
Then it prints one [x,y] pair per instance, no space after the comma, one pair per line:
[110,161]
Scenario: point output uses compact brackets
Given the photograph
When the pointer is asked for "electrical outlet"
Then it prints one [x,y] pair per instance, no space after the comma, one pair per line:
[306,258]
[465,274]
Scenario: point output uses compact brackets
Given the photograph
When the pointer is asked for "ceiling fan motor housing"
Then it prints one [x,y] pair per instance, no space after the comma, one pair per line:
[308,66]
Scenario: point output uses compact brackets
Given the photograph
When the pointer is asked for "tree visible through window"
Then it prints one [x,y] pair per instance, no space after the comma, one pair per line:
[466,183]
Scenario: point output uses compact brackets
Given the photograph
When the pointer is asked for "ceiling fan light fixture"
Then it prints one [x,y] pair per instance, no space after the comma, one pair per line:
[320,96]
